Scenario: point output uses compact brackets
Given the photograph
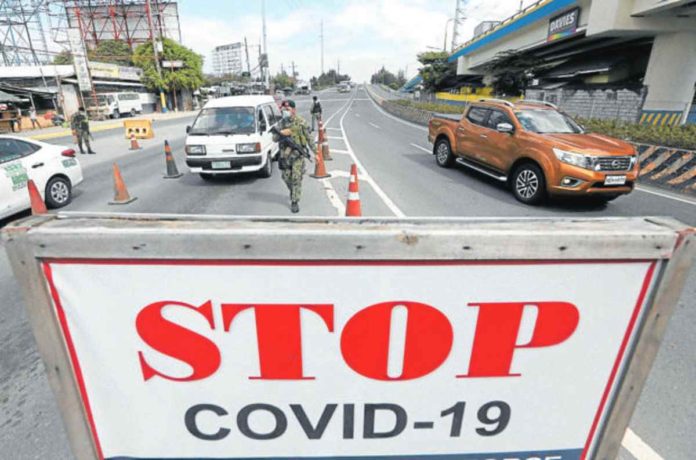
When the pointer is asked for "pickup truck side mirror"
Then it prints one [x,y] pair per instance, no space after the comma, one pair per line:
[505,128]
[188,129]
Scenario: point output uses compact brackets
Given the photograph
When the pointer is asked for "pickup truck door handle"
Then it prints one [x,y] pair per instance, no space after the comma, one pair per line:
[484,136]
[461,130]
[37,165]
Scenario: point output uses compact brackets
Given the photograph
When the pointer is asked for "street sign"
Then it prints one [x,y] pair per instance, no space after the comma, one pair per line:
[268,338]
[79,55]
[173,64]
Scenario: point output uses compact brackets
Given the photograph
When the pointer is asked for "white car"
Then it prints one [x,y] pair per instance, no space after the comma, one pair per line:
[232,135]
[53,168]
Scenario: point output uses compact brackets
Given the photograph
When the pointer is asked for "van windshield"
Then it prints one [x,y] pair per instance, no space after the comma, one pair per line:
[225,120]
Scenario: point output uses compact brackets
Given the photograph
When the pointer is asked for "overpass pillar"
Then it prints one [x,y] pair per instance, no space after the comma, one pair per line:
[670,79]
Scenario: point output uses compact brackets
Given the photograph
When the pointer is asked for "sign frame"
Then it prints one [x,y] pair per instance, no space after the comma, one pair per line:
[670,245]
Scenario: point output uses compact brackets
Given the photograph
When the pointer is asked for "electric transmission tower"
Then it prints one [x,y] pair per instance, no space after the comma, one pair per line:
[459,18]
[22,35]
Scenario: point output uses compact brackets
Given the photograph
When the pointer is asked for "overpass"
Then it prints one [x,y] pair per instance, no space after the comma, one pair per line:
[639,54]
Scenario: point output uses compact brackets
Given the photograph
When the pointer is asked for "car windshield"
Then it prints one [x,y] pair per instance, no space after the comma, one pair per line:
[225,120]
[547,122]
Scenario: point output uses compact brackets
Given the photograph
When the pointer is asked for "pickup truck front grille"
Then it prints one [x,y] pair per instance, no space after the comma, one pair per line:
[615,163]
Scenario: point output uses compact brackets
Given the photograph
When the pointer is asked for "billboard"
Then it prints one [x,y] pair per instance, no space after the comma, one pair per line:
[564,25]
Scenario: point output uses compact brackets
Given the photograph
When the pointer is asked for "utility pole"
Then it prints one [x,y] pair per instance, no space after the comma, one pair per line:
[163,100]
[265,45]
[246,50]
[294,74]
[459,19]
[321,36]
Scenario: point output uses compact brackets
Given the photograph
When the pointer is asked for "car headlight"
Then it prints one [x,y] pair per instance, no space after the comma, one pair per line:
[248,148]
[576,159]
[195,149]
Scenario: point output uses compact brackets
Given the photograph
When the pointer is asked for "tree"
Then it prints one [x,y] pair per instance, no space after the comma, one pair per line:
[328,79]
[190,76]
[387,78]
[63,58]
[113,52]
[282,80]
[435,69]
[512,71]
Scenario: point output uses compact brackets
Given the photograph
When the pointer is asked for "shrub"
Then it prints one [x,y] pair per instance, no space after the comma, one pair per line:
[431,107]
[681,137]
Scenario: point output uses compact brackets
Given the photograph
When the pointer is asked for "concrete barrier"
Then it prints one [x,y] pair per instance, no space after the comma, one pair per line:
[664,167]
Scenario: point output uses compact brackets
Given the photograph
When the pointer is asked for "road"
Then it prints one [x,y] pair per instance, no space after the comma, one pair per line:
[398,177]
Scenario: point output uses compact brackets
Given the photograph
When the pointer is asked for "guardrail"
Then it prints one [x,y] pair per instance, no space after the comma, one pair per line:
[417,116]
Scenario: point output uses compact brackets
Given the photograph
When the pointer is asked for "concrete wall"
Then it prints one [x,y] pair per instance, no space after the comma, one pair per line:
[671,74]
[609,104]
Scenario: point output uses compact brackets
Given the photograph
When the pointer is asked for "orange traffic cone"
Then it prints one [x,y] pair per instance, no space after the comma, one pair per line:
[172,170]
[326,153]
[322,133]
[121,195]
[134,143]
[320,168]
[353,208]
[37,204]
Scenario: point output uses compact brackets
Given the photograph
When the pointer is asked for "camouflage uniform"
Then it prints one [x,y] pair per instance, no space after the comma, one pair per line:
[80,126]
[296,162]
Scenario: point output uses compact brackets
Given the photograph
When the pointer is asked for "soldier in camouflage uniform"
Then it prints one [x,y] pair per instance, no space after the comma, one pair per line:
[294,126]
[80,129]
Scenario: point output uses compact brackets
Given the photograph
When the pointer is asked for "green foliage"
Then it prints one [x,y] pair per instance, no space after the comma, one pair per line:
[188,77]
[512,72]
[329,78]
[681,137]
[63,58]
[282,80]
[431,107]
[387,78]
[113,52]
[435,69]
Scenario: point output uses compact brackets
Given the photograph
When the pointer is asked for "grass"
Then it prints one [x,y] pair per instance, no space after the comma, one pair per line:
[681,137]
[430,107]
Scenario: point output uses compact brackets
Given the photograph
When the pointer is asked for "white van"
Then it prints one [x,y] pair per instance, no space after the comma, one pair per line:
[121,104]
[232,135]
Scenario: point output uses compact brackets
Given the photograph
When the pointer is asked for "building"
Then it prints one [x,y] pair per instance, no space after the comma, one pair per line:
[227,59]
[633,60]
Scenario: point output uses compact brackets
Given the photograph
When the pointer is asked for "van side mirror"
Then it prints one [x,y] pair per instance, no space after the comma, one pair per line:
[188,129]
[505,128]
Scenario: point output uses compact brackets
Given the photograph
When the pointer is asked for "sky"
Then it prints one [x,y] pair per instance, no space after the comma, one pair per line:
[363,35]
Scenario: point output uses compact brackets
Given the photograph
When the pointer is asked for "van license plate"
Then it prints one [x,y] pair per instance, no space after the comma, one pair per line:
[615,180]
[221,165]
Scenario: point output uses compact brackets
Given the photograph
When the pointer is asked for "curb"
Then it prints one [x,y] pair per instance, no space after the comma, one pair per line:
[665,168]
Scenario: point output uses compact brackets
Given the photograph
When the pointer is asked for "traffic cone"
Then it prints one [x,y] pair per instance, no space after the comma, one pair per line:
[121,195]
[134,143]
[172,170]
[353,208]
[322,133]
[326,153]
[320,168]
[37,204]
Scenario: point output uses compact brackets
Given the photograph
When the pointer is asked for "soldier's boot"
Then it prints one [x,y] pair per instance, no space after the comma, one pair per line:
[295,207]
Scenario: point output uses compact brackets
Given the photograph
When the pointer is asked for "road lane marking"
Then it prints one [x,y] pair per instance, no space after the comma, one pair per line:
[328,120]
[357,115]
[422,148]
[644,189]
[374,125]
[638,448]
[333,129]
[378,190]
[340,151]
[333,197]
[335,138]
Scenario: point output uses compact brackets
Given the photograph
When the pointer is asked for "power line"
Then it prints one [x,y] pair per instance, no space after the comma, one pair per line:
[459,18]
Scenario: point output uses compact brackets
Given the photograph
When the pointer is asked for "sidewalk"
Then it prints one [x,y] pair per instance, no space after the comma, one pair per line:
[97,126]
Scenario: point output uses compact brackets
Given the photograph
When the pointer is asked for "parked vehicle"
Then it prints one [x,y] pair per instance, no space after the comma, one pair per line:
[54,169]
[114,105]
[535,149]
[232,135]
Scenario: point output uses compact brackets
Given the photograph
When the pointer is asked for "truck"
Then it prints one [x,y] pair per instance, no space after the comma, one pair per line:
[113,105]
[536,150]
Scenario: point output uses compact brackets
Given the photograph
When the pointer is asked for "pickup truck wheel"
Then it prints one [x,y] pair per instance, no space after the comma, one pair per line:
[528,184]
[443,153]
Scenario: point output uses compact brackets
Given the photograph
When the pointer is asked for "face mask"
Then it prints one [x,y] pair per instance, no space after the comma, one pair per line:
[286,114]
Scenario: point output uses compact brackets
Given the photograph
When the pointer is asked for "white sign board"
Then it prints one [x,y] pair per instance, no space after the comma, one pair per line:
[79,54]
[320,359]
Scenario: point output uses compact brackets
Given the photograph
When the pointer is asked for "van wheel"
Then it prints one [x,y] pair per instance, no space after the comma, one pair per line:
[267,170]
[528,184]
[133,113]
[443,153]
[116,115]
[58,192]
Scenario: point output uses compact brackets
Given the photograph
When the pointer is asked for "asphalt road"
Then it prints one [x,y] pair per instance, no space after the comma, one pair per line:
[398,177]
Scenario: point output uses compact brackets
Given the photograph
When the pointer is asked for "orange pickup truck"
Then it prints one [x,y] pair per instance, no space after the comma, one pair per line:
[535,149]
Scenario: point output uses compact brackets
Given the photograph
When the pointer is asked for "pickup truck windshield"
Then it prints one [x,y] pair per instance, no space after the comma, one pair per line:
[547,122]
[226,120]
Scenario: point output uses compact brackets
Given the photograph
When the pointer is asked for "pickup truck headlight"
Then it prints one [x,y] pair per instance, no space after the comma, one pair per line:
[195,149]
[249,148]
[577,159]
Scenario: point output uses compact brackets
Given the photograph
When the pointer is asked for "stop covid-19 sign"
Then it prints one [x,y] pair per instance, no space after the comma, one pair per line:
[470,360]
